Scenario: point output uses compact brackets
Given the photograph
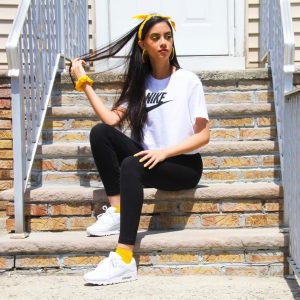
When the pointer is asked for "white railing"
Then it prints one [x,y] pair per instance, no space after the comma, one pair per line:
[292,174]
[44,32]
[279,47]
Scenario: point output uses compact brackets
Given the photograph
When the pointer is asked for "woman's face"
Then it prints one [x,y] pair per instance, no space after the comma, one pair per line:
[158,42]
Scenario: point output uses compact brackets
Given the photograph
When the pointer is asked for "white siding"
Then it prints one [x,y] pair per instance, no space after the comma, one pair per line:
[8,9]
[252,32]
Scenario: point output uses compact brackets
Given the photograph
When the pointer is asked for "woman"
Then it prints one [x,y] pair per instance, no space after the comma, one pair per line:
[166,111]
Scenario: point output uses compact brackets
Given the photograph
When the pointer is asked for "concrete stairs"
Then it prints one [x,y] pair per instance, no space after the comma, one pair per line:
[250,252]
[229,224]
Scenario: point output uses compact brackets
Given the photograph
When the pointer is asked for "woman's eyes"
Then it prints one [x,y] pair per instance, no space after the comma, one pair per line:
[157,37]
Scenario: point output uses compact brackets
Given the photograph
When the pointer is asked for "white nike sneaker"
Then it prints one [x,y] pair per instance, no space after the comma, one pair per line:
[112,270]
[107,223]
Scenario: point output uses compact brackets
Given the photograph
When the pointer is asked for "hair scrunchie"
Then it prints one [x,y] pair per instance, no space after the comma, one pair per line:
[82,81]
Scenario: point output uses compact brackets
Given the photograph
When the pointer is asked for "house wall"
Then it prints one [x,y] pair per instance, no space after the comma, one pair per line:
[252,32]
[8,10]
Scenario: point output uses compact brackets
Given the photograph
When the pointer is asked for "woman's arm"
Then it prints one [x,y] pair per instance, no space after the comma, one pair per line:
[110,117]
[199,139]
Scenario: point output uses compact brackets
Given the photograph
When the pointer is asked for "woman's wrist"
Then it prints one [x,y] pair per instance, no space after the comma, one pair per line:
[167,152]
[85,87]
[83,81]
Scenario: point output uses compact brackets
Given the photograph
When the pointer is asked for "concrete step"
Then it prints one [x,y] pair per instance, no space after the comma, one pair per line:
[61,208]
[260,251]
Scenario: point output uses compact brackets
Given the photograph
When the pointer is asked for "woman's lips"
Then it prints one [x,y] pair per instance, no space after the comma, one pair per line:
[163,51]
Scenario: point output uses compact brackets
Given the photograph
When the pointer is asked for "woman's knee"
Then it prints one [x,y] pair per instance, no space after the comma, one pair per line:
[131,166]
[99,131]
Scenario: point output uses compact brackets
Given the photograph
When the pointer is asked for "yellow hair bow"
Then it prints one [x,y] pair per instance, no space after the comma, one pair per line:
[147,18]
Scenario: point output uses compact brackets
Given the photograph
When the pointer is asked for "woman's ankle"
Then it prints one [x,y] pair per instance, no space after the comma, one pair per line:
[114,200]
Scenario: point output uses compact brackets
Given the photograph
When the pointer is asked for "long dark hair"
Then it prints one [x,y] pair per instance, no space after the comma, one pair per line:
[133,91]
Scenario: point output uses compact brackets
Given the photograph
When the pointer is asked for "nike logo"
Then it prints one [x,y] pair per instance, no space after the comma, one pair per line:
[149,108]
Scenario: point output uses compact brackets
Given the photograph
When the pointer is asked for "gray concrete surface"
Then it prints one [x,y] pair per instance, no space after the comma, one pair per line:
[71,286]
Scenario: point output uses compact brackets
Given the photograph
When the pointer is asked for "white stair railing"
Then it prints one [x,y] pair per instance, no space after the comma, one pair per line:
[44,32]
[278,45]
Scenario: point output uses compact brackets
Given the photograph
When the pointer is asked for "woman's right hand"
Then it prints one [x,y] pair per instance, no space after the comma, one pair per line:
[77,69]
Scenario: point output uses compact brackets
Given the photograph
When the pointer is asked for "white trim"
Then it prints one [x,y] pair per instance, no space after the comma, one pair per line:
[240,20]
[231,29]
[102,30]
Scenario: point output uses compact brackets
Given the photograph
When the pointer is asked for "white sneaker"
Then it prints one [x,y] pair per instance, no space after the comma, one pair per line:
[112,270]
[107,223]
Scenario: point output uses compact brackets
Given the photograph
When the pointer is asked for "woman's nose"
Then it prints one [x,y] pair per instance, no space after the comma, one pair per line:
[163,42]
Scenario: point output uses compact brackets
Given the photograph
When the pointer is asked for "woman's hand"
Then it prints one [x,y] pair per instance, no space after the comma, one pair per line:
[77,69]
[153,157]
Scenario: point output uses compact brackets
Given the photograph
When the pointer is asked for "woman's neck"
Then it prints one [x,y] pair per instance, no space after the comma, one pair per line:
[161,71]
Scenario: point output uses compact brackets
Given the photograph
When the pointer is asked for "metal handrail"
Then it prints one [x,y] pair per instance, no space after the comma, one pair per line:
[280,49]
[292,175]
[276,16]
[36,51]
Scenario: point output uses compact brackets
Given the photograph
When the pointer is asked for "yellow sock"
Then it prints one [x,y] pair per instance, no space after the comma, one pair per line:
[126,254]
[117,208]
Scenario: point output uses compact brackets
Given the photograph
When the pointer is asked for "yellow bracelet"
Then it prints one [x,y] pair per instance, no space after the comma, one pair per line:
[82,81]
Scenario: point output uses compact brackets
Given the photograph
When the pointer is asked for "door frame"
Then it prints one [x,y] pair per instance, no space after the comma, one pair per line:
[234,61]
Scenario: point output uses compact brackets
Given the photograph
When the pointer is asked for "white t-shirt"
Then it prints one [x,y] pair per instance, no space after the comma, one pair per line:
[173,104]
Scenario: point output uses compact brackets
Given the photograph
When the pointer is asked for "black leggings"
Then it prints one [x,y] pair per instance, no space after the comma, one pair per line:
[123,174]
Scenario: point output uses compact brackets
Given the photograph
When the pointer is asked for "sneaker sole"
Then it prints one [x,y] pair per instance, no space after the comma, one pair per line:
[125,278]
[102,233]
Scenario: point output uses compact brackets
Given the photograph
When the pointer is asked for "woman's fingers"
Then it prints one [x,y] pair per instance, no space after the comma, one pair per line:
[139,153]
[145,157]
[152,157]
[77,69]
[149,161]
[153,165]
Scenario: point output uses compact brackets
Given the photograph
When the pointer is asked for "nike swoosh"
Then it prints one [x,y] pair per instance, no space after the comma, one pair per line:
[156,105]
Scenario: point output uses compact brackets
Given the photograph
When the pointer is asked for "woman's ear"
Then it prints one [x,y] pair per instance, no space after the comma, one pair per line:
[141,44]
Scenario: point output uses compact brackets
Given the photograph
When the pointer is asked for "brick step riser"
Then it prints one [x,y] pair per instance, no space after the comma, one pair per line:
[222,94]
[223,168]
[218,149]
[219,162]
[74,123]
[91,178]
[158,215]
[239,262]
[231,134]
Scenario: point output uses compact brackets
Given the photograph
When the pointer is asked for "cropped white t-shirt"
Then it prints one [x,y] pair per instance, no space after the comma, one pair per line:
[173,104]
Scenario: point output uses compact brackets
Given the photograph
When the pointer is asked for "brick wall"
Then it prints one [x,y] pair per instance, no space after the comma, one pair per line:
[6,155]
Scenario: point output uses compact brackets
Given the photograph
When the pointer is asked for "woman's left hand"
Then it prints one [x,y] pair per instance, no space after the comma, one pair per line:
[153,157]
[77,69]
